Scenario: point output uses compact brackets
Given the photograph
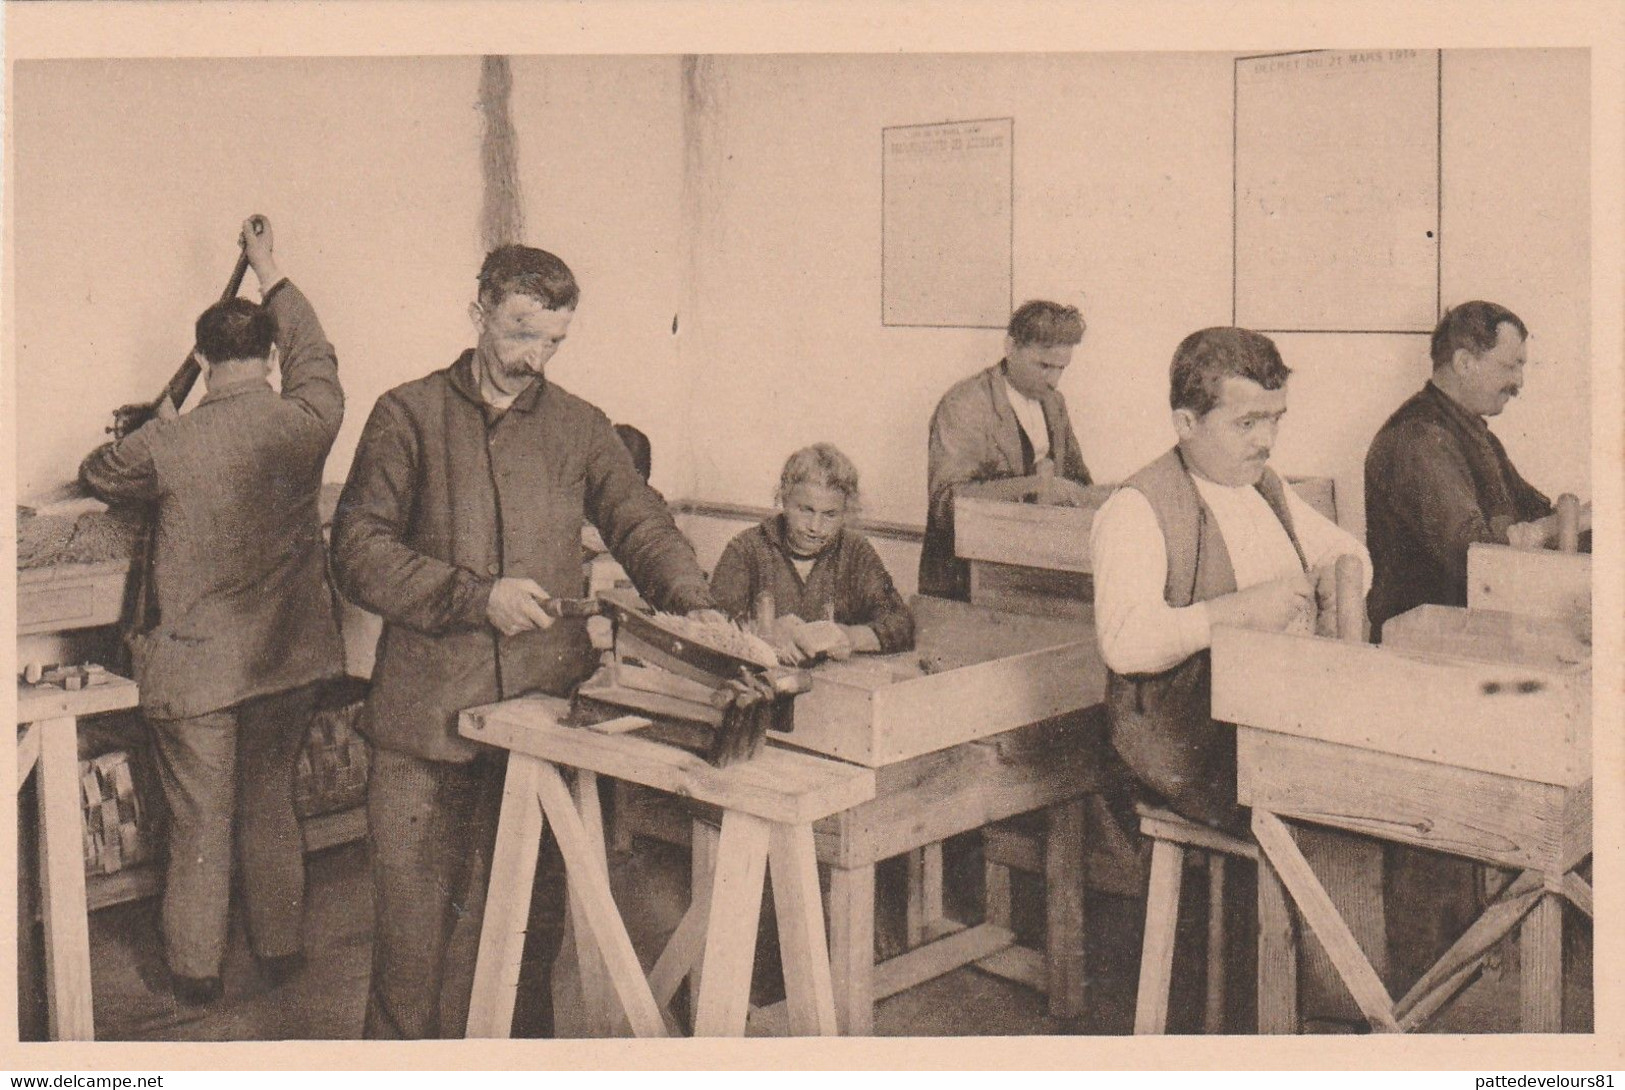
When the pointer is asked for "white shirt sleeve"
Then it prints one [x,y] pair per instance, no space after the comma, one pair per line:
[1322,540]
[1139,632]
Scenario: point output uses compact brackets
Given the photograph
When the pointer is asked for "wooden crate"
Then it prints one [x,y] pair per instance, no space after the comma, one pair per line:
[70,596]
[998,522]
[1541,583]
[985,672]
[994,521]
[1519,720]
[1488,636]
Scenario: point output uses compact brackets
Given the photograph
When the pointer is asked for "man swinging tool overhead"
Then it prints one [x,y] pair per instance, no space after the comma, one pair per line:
[244,625]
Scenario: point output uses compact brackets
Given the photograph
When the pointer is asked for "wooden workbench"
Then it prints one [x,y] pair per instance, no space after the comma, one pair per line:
[1468,733]
[48,748]
[1003,727]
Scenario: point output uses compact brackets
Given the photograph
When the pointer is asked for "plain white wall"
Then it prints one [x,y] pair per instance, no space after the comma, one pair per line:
[131,178]
[1122,206]
[747,205]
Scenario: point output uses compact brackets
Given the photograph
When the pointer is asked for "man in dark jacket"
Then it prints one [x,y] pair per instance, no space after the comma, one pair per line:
[1006,421]
[1437,479]
[245,615]
[462,516]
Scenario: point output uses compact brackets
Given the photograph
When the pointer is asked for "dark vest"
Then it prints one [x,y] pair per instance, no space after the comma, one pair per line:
[1160,723]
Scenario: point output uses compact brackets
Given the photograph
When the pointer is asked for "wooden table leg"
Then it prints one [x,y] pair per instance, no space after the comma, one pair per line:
[1157,948]
[1275,841]
[852,947]
[808,989]
[924,892]
[703,838]
[604,926]
[1217,947]
[1540,967]
[1277,955]
[507,903]
[1064,908]
[62,878]
[597,997]
[730,935]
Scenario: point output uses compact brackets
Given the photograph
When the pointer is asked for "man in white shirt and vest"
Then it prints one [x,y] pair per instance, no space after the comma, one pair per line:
[1206,535]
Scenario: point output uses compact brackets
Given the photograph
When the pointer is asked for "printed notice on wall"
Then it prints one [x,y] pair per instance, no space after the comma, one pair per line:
[1337,191]
[946,223]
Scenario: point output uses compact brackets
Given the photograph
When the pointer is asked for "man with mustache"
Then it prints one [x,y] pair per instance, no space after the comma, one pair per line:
[1207,535]
[461,518]
[1437,479]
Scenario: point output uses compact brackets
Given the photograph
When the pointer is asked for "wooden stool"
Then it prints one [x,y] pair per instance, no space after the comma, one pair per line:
[769,804]
[1171,836]
[48,747]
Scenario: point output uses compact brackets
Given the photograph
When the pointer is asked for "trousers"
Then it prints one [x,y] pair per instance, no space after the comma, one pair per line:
[432,830]
[234,763]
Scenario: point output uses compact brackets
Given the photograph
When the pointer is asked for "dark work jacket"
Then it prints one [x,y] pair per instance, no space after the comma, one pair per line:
[440,503]
[848,581]
[240,571]
[1436,480]
[975,436]
[1161,724]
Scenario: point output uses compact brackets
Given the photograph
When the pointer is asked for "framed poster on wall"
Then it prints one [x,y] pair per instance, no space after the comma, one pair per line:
[947,221]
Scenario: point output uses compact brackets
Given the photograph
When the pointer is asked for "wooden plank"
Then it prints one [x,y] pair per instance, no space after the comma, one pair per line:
[1349,869]
[1019,964]
[1322,916]
[704,838]
[1494,819]
[1488,636]
[1540,967]
[996,892]
[1576,838]
[1578,891]
[1002,528]
[1217,948]
[70,596]
[1451,971]
[1064,917]
[62,874]
[1160,824]
[1037,591]
[324,831]
[798,905]
[777,785]
[597,997]
[730,934]
[1010,847]
[1277,955]
[37,702]
[852,948]
[934,959]
[924,887]
[1518,721]
[682,950]
[27,752]
[939,794]
[1541,583]
[587,878]
[1157,949]
[507,903]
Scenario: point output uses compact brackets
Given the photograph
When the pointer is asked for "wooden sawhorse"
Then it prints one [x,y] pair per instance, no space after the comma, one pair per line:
[769,805]
[48,747]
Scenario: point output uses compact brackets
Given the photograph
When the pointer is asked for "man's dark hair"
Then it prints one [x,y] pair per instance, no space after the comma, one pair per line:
[1209,356]
[526,270]
[1046,324]
[235,329]
[1474,326]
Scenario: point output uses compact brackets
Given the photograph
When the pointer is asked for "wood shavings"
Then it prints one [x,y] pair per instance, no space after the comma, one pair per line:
[724,636]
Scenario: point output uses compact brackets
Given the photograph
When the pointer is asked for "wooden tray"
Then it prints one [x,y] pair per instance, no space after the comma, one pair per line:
[1541,583]
[984,672]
